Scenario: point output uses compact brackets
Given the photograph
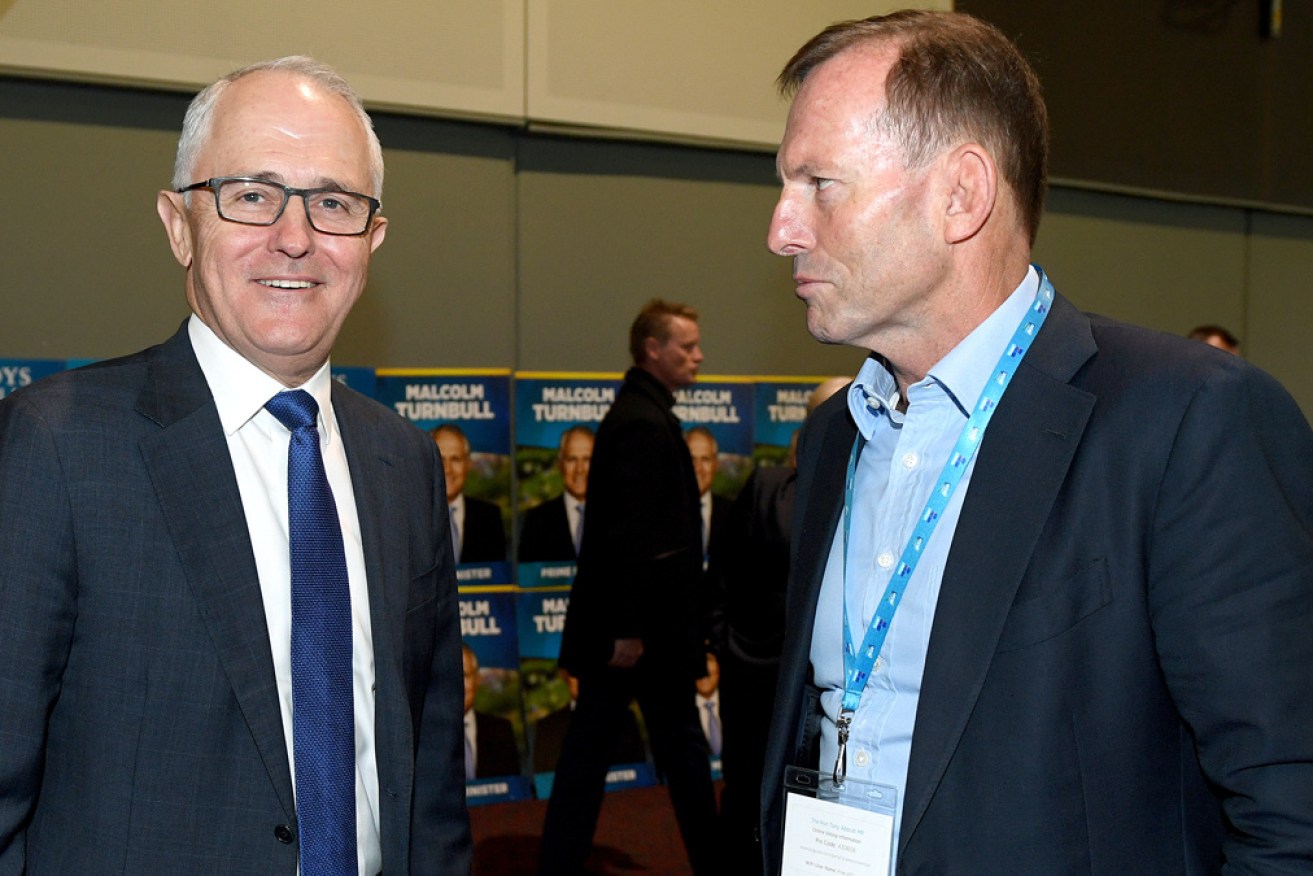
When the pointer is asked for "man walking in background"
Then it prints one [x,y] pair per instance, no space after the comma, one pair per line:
[634,627]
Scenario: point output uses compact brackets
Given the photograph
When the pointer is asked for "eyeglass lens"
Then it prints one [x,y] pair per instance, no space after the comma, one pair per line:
[259,203]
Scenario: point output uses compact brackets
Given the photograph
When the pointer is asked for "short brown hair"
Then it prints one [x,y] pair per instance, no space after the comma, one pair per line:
[955,77]
[653,321]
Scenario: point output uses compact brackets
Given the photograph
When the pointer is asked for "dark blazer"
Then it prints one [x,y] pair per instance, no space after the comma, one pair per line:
[713,587]
[640,565]
[496,751]
[751,564]
[719,520]
[140,716]
[545,535]
[484,538]
[1121,660]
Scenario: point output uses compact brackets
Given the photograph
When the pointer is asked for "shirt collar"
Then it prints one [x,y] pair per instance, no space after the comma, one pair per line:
[962,373]
[240,389]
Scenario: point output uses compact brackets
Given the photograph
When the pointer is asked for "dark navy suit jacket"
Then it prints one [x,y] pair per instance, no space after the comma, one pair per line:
[545,535]
[1119,677]
[138,709]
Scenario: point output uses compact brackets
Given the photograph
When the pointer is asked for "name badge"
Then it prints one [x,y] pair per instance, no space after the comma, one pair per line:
[845,829]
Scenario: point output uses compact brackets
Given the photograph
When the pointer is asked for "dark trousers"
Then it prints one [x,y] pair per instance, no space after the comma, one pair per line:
[747,703]
[678,746]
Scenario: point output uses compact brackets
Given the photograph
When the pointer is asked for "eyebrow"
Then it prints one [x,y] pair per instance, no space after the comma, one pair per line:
[805,169]
[322,182]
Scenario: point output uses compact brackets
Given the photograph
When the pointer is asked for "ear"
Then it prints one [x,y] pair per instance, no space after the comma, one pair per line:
[651,349]
[378,232]
[173,213]
[973,191]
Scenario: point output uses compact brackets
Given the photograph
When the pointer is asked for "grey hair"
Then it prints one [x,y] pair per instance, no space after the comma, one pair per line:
[197,124]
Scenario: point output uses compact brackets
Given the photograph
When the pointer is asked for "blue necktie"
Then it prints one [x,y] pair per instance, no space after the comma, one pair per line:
[323,728]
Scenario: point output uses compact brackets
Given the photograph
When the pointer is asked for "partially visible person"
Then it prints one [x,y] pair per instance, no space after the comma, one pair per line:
[490,748]
[231,634]
[1052,575]
[751,568]
[634,626]
[477,529]
[1216,336]
[625,746]
[553,530]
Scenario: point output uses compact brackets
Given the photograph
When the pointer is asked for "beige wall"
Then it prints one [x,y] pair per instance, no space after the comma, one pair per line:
[673,70]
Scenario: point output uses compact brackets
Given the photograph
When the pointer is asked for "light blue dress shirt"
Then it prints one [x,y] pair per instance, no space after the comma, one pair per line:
[900,464]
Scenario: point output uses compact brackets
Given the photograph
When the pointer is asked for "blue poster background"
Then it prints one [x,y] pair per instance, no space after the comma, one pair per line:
[359,378]
[487,620]
[18,373]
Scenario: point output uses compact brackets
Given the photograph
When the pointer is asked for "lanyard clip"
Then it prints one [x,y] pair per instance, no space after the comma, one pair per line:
[841,762]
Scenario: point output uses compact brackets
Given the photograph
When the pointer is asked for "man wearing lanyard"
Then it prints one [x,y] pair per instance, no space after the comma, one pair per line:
[1052,576]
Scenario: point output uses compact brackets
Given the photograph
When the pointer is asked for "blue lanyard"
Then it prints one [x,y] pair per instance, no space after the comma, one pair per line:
[858,664]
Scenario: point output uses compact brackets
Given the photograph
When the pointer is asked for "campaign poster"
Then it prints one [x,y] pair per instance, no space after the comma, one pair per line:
[716,414]
[494,722]
[358,377]
[779,409]
[549,695]
[707,700]
[18,373]
[467,412]
[556,418]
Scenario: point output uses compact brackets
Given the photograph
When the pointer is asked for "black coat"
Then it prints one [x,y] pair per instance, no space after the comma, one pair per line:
[640,565]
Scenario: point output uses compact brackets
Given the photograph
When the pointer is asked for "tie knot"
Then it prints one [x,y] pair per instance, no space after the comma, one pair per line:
[294,408]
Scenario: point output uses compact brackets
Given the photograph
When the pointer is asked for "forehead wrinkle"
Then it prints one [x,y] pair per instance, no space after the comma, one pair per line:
[273,176]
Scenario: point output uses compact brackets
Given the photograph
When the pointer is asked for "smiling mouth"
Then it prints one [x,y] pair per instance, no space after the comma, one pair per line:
[287,284]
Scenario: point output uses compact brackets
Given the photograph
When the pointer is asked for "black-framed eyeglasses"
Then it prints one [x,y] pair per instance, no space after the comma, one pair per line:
[260,202]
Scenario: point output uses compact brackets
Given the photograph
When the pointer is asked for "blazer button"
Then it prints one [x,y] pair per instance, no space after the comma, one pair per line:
[283,833]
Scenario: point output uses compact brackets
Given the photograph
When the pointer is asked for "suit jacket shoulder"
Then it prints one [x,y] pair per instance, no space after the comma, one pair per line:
[484,540]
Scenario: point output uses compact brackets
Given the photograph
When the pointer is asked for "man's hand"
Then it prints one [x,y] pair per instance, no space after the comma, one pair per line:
[626,654]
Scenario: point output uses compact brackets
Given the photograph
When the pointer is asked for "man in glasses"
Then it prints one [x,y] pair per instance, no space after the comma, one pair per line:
[230,628]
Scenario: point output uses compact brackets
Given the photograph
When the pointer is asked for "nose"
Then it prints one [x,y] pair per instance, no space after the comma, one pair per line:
[293,233]
[788,234]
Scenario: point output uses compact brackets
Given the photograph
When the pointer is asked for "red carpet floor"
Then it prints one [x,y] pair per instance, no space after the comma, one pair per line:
[636,834]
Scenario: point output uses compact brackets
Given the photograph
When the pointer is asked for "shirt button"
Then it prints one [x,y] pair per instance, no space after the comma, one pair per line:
[910,460]
[862,758]
[885,560]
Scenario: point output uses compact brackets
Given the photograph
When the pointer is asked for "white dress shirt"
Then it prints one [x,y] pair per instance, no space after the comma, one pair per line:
[258,444]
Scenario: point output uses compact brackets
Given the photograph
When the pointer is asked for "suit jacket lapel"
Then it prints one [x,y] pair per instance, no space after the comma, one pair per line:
[191,469]
[822,506]
[1022,464]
